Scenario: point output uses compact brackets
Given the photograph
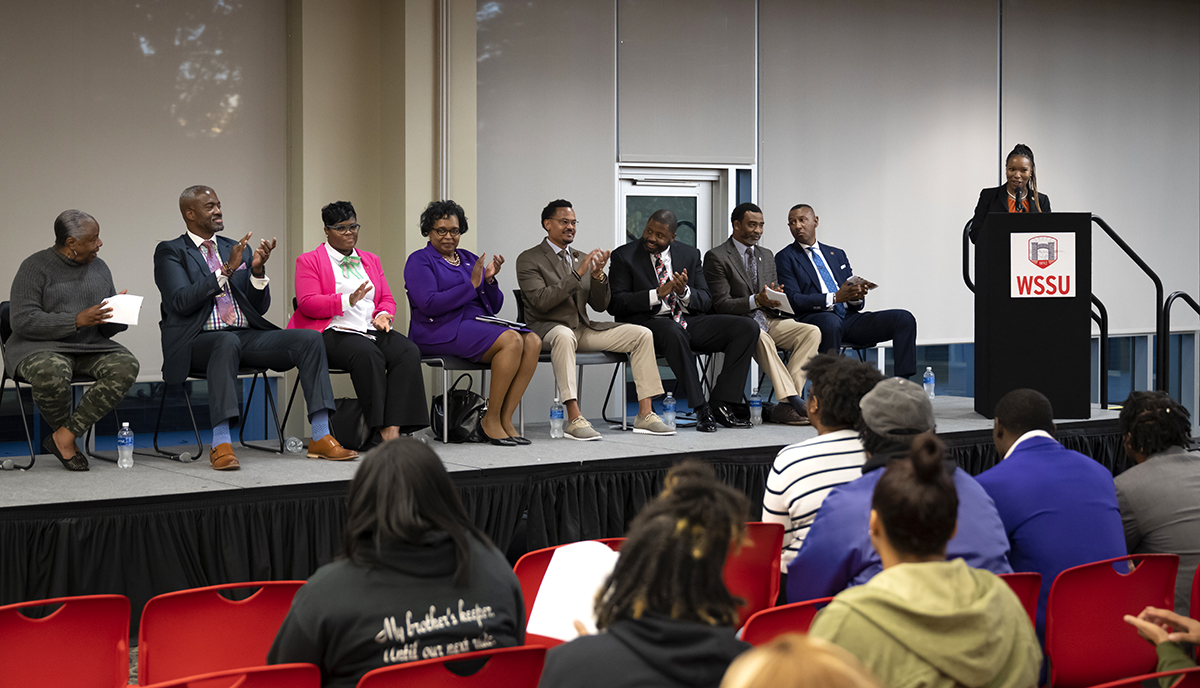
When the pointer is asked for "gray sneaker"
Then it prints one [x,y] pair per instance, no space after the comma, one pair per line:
[651,424]
[580,429]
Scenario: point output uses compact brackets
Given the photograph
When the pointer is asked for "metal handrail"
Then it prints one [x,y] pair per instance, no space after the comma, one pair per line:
[1175,296]
[967,256]
[1102,321]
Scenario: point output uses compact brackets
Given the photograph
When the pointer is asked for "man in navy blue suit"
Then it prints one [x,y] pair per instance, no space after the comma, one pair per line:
[817,280]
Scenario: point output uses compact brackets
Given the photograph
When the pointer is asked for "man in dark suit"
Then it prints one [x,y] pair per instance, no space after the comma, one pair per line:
[811,274]
[660,284]
[214,296]
[739,272]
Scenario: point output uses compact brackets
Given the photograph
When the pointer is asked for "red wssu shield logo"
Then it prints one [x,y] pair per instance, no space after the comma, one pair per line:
[1043,251]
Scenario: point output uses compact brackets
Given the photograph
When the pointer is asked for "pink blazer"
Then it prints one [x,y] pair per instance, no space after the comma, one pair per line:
[317,303]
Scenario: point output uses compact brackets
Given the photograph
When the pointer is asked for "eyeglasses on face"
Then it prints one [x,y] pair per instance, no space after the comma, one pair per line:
[566,223]
[444,232]
[344,229]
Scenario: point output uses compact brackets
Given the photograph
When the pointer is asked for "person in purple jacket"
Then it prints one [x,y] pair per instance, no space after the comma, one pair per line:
[449,288]
[1059,507]
[838,553]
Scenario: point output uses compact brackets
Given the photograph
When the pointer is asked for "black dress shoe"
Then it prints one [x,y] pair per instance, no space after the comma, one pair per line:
[520,440]
[503,441]
[704,420]
[726,416]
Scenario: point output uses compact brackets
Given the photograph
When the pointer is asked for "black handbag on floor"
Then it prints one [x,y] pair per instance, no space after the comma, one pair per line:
[465,410]
[348,426]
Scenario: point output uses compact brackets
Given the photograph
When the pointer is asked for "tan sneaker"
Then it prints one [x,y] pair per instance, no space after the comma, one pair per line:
[580,429]
[651,424]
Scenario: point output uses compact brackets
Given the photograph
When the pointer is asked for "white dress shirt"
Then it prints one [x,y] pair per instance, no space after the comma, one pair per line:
[687,291]
[356,318]
[222,280]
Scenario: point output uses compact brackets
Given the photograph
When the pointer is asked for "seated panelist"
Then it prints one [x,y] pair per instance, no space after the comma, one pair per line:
[449,289]
[215,295]
[59,328]
[1017,195]
[342,293]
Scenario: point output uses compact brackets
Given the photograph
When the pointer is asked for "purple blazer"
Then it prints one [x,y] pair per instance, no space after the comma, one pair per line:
[439,294]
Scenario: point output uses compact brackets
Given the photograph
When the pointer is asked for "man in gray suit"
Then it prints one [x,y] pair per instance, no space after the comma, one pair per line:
[558,284]
[738,273]
[1159,498]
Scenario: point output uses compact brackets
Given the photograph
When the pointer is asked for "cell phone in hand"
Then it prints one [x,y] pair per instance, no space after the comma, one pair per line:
[855,279]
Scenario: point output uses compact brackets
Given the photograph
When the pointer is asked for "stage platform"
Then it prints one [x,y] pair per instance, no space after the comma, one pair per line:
[165,525]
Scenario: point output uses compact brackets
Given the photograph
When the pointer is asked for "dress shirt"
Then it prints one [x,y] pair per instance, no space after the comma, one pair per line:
[1029,435]
[816,246]
[687,291]
[222,280]
[356,318]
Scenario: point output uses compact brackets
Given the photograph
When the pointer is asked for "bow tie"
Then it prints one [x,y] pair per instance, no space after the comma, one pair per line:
[350,265]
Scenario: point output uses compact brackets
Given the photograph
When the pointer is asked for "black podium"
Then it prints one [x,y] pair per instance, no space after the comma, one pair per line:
[1027,332]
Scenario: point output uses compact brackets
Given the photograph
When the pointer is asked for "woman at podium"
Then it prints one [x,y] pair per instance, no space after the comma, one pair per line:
[1018,195]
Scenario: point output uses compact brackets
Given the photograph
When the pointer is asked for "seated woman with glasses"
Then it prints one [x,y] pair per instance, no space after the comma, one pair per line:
[448,289]
[342,293]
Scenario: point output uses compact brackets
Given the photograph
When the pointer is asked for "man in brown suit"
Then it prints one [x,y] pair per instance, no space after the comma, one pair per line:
[738,273]
[558,283]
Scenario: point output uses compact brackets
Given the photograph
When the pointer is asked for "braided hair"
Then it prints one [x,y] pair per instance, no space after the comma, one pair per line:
[1153,422]
[1022,151]
[672,562]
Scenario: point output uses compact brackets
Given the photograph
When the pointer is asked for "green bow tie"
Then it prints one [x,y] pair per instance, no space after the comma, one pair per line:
[350,265]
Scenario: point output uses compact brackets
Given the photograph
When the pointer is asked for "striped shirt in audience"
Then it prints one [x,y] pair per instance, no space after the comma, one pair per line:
[801,478]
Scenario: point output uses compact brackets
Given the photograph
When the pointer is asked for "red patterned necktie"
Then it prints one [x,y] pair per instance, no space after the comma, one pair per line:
[224,300]
[676,310]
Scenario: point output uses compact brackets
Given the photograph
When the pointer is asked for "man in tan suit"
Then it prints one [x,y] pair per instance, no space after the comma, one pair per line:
[738,273]
[557,285]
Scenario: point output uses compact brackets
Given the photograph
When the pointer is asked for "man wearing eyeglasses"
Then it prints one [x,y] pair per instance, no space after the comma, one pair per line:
[558,283]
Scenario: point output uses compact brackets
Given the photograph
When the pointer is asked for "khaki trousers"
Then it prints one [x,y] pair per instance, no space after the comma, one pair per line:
[625,338]
[801,339]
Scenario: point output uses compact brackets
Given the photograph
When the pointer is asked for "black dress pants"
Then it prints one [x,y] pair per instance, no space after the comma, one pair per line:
[868,328]
[734,335]
[386,374]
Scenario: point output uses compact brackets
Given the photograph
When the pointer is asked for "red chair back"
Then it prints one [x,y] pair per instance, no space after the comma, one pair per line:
[1195,598]
[1026,585]
[1087,641]
[276,676]
[764,626]
[1188,678]
[198,631]
[82,644]
[511,667]
[753,572]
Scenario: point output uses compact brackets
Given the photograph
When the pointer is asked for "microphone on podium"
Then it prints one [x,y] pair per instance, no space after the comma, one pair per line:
[1020,205]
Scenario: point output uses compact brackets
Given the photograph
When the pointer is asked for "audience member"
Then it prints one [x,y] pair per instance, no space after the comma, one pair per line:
[1167,630]
[926,621]
[837,552]
[665,616]
[59,328]
[1050,529]
[417,579]
[739,274]
[804,473]
[1159,498]
[824,291]
[215,295]
[454,294]
[797,661]
[342,293]
[558,283]
[659,283]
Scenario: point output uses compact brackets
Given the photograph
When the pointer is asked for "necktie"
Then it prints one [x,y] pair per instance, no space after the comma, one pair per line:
[660,269]
[350,267]
[565,255]
[752,271]
[224,300]
[827,278]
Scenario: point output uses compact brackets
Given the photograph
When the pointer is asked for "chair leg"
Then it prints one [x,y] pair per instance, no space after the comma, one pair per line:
[24,423]
[182,457]
[268,402]
[445,406]
[624,395]
[287,413]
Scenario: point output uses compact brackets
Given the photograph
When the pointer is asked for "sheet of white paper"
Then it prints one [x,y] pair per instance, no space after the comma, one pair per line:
[568,590]
[125,308]
[784,304]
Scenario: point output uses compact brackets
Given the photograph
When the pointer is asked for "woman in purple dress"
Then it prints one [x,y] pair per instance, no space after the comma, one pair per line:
[448,287]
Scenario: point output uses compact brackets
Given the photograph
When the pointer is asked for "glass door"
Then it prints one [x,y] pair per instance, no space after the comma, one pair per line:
[689,196]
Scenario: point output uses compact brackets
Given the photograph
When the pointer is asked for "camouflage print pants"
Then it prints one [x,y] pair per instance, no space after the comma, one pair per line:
[50,373]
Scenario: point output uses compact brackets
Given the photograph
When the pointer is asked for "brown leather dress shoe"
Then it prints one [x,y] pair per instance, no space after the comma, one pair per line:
[222,459]
[328,448]
[784,414]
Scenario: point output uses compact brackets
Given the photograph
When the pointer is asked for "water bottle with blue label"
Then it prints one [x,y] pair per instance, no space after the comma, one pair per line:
[557,412]
[928,379]
[669,411]
[755,409]
[125,447]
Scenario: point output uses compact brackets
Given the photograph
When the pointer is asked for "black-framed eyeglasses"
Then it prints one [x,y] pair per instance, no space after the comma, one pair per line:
[444,232]
[344,229]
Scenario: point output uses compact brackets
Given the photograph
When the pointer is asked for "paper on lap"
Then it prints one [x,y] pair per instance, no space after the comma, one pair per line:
[784,304]
[125,308]
[568,591]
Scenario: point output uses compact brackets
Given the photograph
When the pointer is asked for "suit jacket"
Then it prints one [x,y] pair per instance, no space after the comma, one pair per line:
[188,287]
[438,294]
[728,281]
[995,200]
[553,295]
[317,301]
[632,276]
[801,282]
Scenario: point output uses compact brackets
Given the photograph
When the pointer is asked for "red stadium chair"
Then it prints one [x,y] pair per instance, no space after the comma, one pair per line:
[511,667]
[1195,598]
[276,676]
[198,631]
[766,625]
[1188,678]
[1027,586]
[82,644]
[1087,640]
[752,573]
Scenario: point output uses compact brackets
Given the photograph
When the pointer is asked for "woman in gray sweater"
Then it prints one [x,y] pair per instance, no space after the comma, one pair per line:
[59,329]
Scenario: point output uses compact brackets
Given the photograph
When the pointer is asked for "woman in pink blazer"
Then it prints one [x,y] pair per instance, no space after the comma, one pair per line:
[342,293]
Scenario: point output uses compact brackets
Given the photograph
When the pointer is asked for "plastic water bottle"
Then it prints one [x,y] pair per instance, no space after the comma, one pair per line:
[125,447]
[928,379]
[669,411]
[557,413]
[294,445]
[755,409]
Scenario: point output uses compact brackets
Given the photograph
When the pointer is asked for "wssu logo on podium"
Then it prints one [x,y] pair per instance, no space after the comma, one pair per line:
[1043,251]
[1042,265]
